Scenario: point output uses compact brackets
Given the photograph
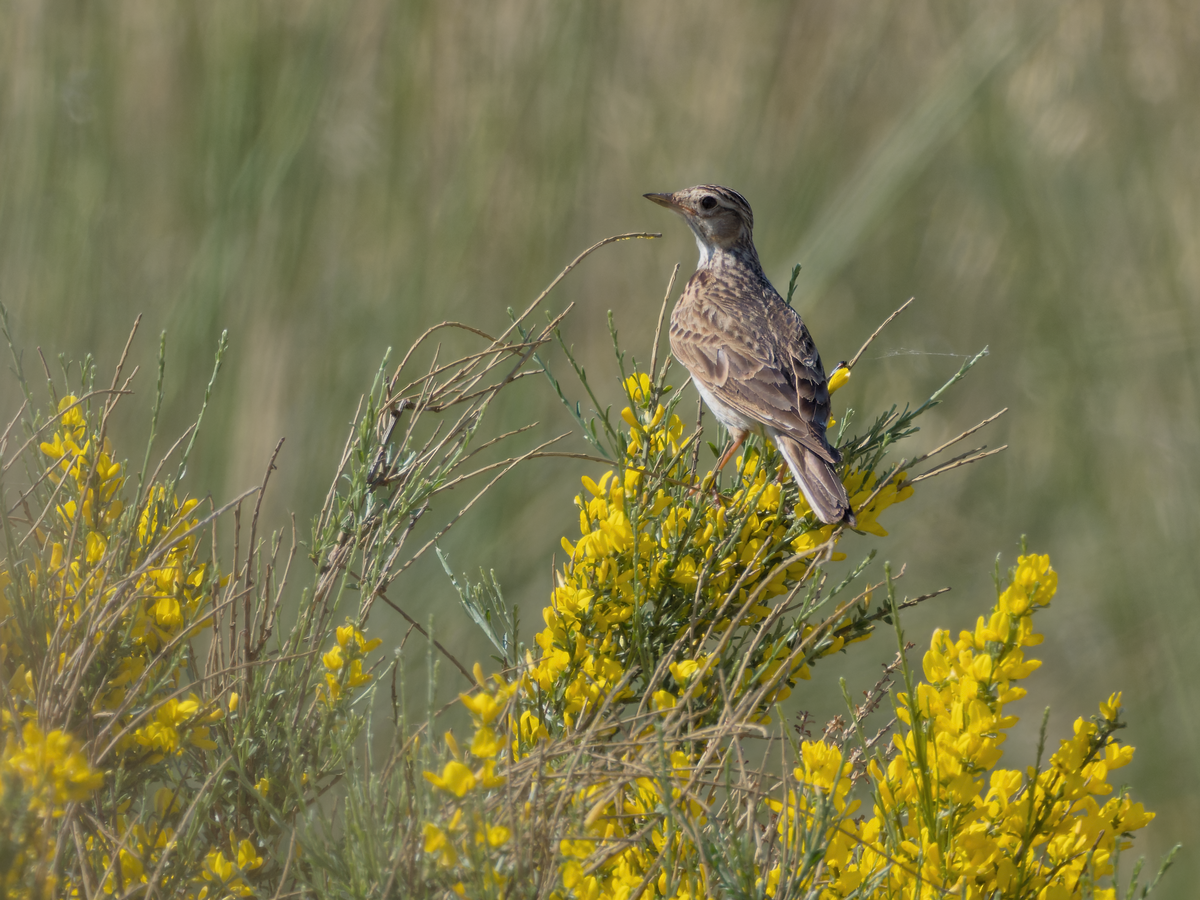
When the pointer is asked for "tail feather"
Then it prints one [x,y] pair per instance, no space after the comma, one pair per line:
[819,481]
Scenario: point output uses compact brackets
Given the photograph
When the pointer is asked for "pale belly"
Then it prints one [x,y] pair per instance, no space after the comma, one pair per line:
[733,420]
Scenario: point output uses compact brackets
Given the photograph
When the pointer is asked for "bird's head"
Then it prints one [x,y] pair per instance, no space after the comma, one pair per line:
[719,217]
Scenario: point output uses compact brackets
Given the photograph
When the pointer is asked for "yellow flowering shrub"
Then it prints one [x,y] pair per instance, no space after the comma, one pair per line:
[109,729]
[96,616]
[162,734]
[707,570]
[680,619]
[946,818]
[169,725]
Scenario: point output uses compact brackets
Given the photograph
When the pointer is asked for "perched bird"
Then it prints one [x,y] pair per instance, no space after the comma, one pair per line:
[748,352]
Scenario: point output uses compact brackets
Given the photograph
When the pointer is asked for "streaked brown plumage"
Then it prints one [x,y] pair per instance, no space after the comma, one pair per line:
[748,352]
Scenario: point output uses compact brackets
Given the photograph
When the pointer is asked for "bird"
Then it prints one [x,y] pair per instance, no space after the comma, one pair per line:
[748,352]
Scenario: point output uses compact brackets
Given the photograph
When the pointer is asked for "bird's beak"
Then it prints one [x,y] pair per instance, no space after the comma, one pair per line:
[667,200]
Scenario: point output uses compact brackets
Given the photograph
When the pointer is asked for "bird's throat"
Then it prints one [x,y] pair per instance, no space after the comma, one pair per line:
[740,256]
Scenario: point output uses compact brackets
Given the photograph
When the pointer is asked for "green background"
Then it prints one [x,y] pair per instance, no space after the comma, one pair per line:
[328,179]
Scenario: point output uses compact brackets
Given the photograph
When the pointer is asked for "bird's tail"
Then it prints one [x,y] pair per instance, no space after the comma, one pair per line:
[818,479]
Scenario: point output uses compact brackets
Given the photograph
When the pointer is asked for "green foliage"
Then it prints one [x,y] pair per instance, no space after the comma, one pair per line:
[168,733]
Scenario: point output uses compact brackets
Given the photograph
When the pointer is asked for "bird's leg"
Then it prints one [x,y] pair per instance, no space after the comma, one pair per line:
[739,438]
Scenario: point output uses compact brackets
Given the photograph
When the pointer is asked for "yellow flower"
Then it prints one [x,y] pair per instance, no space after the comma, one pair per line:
[822,765]
[577,849]
[494,836]
[247,856]
[348,634]
[664,700]
[51,766]
[437,841]
[486,743]
[199,738]
[685,670]
[217,867]
[331,691]
[162,735]
[333,659]
[355,676]
[95,547]
[1111,708]
[638,388]
[487,775]
[531,728]
[455,778]
[484,705]
[168,613]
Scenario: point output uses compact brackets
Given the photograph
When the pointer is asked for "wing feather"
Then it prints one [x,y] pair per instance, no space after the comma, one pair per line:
[771,375]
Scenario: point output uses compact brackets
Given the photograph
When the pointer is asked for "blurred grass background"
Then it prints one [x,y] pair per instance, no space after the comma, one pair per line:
[328,179]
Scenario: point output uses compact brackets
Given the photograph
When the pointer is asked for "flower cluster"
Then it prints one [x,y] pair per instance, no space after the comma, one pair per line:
[947,821]
[648,539]
[94,628]
[226,877]
[50,768]
[39,773]
[119,610]
[344,663]
[472,837]
[141,852]
[959,822]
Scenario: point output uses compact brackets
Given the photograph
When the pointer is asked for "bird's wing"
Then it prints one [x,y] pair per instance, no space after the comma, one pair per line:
[758,359]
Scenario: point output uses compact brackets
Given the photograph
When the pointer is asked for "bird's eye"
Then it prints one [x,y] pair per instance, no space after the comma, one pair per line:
[708,203]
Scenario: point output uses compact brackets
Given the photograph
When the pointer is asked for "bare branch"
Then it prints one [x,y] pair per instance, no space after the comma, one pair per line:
[875,333]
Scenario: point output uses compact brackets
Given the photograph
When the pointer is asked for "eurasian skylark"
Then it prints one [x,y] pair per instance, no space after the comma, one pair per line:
[748,352]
